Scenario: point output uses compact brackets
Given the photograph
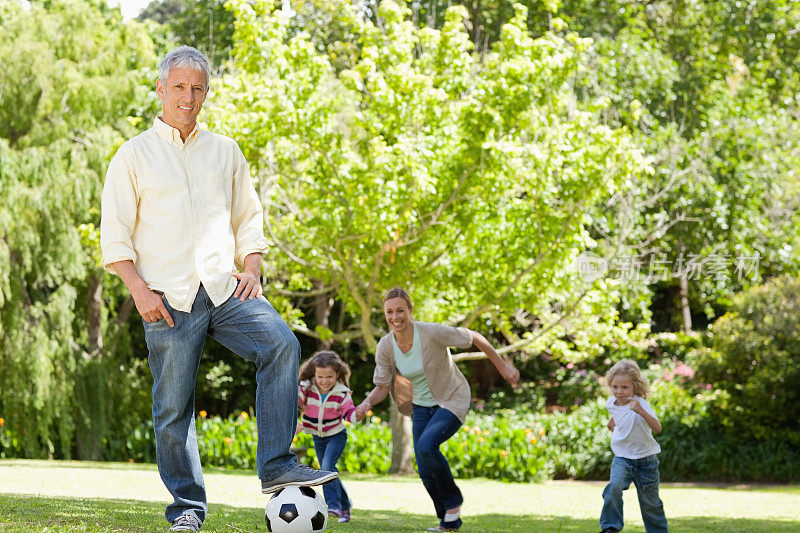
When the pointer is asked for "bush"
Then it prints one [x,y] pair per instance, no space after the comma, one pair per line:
[755,359]
[580,442]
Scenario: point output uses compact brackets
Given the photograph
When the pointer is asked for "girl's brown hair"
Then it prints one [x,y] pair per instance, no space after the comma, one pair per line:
[398,293]
[325,359]
[629,368]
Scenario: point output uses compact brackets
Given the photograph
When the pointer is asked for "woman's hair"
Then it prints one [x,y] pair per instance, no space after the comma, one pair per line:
[398,293]
[629,368]
[326,359]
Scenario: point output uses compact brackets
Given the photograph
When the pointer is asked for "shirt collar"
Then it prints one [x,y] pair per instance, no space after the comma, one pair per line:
[170,134]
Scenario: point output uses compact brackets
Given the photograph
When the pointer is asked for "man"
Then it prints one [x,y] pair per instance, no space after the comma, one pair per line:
[179,216]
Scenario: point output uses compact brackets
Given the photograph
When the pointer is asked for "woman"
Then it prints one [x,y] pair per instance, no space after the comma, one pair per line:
[415,355]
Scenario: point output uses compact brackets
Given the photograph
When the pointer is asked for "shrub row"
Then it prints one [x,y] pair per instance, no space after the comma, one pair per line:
[513,446]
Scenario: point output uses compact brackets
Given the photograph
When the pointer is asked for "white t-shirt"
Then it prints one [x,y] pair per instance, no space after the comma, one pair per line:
[632,437]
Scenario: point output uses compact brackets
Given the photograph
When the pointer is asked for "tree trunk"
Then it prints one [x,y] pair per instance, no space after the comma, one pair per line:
[401,442]
[92,419]
[323,304]
[687,313]
[485,376]
[95,313]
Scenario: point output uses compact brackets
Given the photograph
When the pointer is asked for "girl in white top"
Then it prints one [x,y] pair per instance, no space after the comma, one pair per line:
[633,423]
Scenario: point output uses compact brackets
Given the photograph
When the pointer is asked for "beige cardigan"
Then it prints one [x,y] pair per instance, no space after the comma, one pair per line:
[447,384]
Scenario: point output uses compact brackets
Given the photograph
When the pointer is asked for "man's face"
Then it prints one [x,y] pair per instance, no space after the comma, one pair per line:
[182,95]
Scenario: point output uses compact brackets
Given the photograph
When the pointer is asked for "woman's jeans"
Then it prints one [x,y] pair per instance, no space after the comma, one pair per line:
[329,450]
[253,330]
[644,474]
[431,426]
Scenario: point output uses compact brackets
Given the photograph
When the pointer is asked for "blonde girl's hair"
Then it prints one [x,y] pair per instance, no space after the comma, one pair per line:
[629,368]
[325,359]
[398,293]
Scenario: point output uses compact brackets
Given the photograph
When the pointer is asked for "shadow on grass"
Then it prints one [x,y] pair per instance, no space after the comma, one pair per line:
[24,513]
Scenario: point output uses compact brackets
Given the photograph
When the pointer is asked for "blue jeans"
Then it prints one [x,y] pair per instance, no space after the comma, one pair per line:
[644,474]
[329,450]
[251,329]
[430,427]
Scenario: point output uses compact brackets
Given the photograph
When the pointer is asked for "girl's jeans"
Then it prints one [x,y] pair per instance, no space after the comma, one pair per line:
[644,474]
[431,426]
[329,450]
[257,333]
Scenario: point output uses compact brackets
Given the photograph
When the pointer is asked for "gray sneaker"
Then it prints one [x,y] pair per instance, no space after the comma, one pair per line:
[185,522]
[300,476]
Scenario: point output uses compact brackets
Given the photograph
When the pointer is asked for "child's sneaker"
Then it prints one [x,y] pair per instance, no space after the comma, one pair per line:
[345,516]
[336,513]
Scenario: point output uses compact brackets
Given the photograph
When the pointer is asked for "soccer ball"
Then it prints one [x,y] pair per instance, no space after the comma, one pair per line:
[297,510]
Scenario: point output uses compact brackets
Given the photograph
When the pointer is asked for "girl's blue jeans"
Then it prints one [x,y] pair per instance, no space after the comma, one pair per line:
[329,450]
[644,474]
[430,427]
[255,331]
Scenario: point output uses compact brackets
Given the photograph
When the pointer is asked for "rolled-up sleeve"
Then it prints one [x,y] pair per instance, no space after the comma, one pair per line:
[246,213]
[118,211]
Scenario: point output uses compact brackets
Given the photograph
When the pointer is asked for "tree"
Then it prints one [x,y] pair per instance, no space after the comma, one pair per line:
[71,78]
[204,24]
[466,178]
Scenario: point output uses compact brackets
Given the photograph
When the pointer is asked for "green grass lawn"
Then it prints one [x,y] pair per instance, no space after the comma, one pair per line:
[70,496]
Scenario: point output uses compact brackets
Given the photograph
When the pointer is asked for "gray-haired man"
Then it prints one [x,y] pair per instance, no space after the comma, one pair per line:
[182,226]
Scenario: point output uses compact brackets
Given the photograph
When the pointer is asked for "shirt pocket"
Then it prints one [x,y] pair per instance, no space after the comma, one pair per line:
[218,187]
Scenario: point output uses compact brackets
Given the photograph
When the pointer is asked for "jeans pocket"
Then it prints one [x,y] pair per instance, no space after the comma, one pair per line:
[649,475]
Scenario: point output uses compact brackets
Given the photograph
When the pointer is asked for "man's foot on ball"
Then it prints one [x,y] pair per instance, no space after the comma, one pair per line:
[299,476]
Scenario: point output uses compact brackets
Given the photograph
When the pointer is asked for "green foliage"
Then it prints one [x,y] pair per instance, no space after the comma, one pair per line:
[580,442]
[203,24]
[404,168]
[227,442]
[754,359]
[71,75]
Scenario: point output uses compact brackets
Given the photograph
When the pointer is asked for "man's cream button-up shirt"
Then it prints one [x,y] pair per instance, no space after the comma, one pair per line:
[184,213]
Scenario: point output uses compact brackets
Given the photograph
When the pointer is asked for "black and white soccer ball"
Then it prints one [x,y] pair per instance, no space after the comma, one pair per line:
[297,510]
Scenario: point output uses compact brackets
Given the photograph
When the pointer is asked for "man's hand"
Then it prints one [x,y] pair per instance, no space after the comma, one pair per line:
[151,306]
[148,303]
[249,286]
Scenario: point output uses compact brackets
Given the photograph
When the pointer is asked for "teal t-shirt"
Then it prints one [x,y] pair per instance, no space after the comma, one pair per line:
[410,365]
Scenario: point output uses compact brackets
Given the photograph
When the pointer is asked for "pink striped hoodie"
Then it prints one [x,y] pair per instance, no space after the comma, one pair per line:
[324,419]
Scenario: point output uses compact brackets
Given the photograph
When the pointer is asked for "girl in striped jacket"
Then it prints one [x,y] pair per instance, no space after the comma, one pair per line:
[324,399]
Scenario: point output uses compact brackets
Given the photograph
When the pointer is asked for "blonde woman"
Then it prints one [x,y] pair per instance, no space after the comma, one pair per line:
[413,363]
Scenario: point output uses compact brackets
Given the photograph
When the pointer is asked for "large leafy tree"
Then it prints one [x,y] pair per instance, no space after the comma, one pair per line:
[468,178]
[70,80]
